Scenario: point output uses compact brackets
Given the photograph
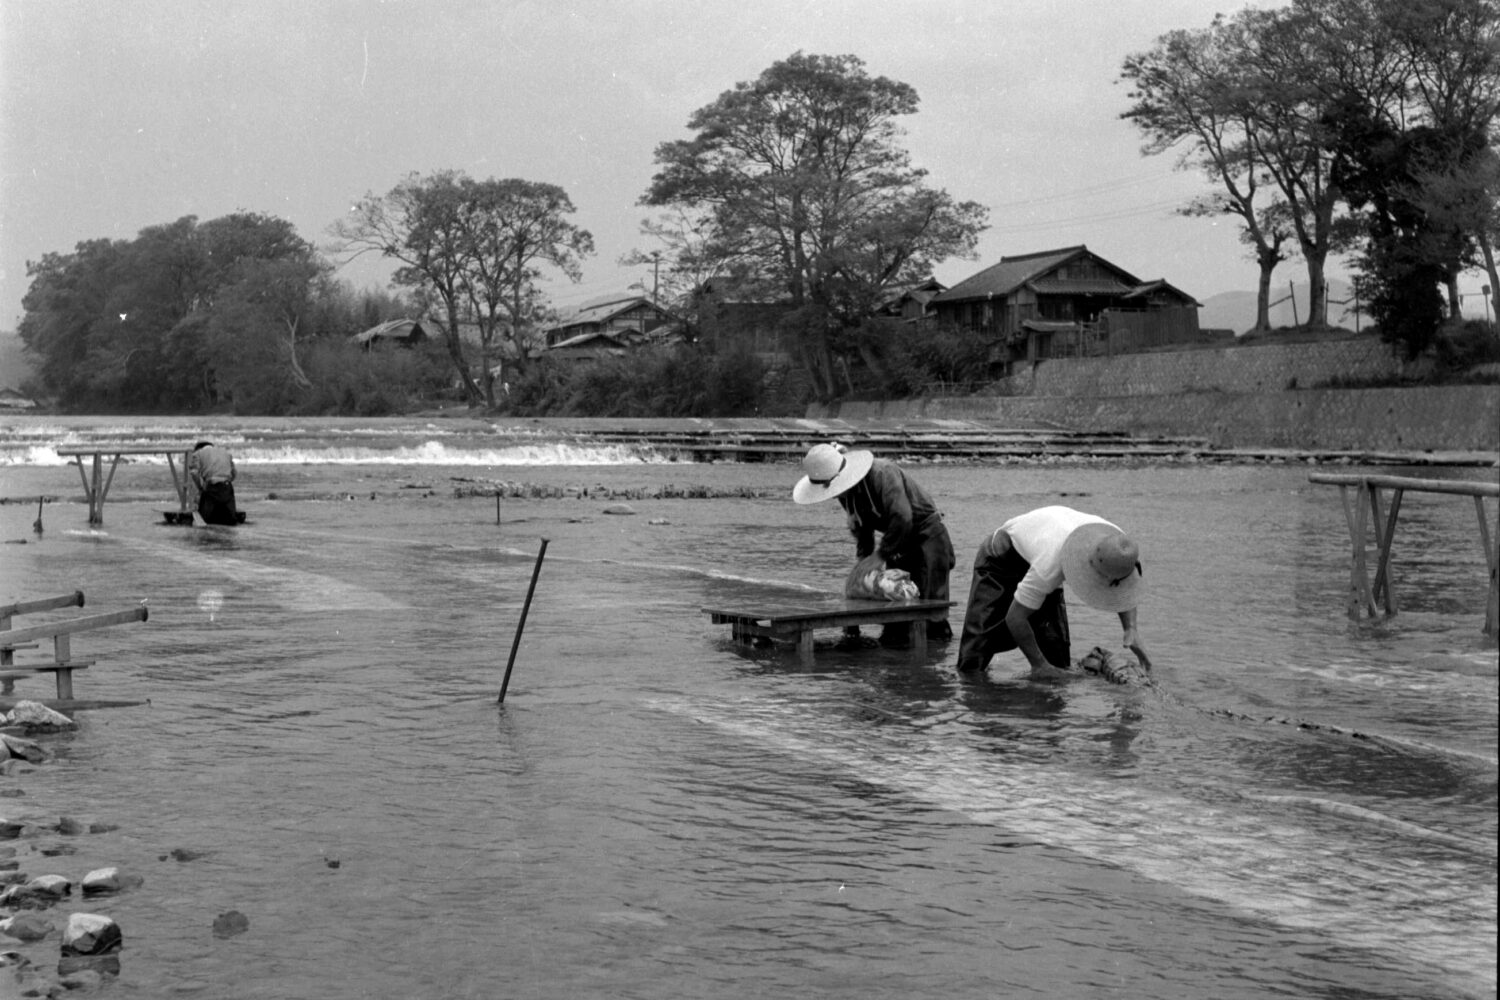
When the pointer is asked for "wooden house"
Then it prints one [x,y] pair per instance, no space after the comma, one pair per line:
[912,303]
[629,319]
[401,332]
[1065,303]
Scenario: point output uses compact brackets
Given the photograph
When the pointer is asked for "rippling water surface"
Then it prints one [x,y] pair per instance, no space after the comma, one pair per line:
[1305,806]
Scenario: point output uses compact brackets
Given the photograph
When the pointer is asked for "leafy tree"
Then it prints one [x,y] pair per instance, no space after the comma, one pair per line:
[474,247]
[419,223]
[518,226]
[798,175]
[1404,138]
[124,324]
[1234,96]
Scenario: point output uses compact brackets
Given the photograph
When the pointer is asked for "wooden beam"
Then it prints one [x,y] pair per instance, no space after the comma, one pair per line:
[59,630]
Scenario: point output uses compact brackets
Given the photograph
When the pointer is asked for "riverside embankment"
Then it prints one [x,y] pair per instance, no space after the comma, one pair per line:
[1266,396]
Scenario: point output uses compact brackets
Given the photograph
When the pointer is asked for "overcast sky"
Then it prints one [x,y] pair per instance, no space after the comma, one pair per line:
[121,114]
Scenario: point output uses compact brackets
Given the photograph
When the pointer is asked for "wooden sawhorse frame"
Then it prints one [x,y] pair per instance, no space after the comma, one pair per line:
[96,486]
[1366,512]
[795,621]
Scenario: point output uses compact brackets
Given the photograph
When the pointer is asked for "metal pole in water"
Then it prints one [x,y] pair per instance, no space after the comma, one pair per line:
[516,643]
[497,506]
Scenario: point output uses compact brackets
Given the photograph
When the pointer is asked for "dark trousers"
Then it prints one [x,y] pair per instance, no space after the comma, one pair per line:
[985,632]
[216,504]
[928,557]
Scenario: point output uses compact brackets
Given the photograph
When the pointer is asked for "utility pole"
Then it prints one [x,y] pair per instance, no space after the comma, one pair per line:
[655,274]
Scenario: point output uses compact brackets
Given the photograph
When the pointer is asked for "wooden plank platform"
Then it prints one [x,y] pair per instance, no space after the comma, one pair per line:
[794,621]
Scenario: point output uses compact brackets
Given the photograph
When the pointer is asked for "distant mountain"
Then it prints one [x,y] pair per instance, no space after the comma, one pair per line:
[1236,310]
[15,366]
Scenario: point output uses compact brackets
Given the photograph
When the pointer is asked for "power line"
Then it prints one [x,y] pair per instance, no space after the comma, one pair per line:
[1094,190]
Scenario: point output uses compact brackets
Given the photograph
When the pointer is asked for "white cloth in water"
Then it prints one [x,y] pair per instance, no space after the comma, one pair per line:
[880,584]
[1115,669]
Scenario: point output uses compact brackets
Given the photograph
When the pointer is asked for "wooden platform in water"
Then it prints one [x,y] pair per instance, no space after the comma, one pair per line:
[795,621]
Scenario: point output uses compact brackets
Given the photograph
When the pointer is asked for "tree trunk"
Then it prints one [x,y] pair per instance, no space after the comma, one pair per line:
[1263,293]
[1317,291]
[1488,250]
[456,353]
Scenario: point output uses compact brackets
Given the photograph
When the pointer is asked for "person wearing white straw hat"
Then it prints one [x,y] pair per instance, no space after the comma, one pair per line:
[1016,597]
[878,497]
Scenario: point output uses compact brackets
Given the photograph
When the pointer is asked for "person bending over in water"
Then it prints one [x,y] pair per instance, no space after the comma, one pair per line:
[877,496]
[1016,598]
[212,471]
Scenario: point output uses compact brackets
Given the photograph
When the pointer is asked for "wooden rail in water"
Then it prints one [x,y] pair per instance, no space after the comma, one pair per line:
[62,663]
[1365,512]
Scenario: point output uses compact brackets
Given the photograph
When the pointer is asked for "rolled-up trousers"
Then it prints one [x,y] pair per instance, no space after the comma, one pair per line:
[990,593]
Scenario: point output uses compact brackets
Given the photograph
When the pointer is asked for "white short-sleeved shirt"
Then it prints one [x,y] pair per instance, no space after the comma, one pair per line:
[1038,537]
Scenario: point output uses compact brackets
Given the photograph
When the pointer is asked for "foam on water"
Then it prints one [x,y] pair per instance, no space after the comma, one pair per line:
[1433,910]
[433,453]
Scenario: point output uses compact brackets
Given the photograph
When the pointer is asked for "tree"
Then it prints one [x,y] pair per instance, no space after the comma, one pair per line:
[475,247]
[1232,95]
[1405,138]
[254,330]
[124,324]
[1186,92]
[419,224]
[799,176]
[517,226]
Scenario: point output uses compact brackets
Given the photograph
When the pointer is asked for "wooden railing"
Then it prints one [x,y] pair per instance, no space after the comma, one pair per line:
[62,663]
[1365,514]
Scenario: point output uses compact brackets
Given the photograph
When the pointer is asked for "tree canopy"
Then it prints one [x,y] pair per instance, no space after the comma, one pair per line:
[125,323]
[802,185]
[1372,124]
[478,248]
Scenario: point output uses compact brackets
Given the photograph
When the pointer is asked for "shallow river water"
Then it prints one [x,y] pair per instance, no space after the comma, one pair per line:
[1302,806]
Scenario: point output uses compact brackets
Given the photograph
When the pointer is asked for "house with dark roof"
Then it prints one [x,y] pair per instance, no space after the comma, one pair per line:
[911,303]
[403,332]
[620,320]
[1063,303]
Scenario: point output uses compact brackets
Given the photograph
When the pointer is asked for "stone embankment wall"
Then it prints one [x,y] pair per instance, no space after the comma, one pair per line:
[1233,397]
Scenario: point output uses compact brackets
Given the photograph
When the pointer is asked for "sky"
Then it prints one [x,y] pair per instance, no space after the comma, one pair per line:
[116,115]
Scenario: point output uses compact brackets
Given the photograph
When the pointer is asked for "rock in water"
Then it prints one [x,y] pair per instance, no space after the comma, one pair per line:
[228,925]
[91,934]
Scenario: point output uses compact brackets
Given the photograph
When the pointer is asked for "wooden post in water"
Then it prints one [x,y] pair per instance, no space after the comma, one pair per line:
[1366,509]
[516,643]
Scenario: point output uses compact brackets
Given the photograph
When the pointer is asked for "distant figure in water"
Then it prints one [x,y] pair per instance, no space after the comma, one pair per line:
[1016,598]
[212,471]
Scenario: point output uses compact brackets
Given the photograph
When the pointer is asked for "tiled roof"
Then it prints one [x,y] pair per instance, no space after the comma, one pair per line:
[1080,286]
[1008,275]
[604,310]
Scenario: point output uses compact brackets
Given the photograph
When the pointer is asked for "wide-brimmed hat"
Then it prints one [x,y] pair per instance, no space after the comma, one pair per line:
[1101,565]
[830,471]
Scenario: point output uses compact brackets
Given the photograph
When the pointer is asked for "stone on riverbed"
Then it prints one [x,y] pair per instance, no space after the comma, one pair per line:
[15,746]
[33,716]
[26,926]
[42,891]
[91,934]
[101,881]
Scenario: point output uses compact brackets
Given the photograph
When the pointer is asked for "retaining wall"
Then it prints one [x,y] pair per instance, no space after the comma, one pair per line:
[1251,368]
[1235,397]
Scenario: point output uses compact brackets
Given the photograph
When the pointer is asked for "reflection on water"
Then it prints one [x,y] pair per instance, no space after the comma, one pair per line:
[1304,805]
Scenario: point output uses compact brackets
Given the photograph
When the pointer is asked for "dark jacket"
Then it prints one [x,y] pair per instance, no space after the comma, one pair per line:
[888,501]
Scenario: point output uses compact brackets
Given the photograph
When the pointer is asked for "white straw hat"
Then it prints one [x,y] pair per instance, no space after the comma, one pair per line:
[830,471]
[1101,565]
